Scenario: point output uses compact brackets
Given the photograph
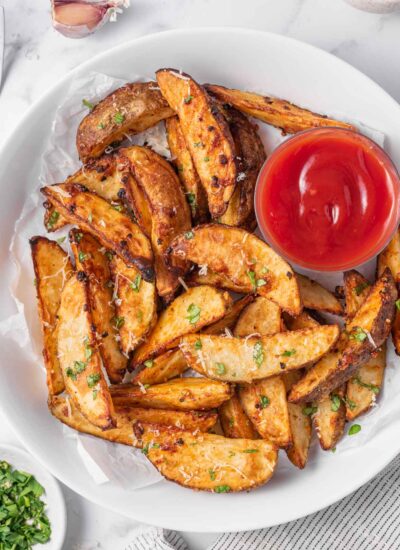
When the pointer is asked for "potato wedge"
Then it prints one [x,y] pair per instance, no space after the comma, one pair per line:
[356,288]
[250,158]
[229,321]
[205,461]
[130,109]
[329,417]
[234,421]
[52,269]
[390,258]
[164,367]
[367,331]
[79,357]
[206,134]
[279,113]
[170,214]
[204,276]
[304,320]
[112,228]
[91,259]
[190,312]
[243,258]
[315,296]
[135,305]
[252,358]
[182,160]
[182,394]
[261,317]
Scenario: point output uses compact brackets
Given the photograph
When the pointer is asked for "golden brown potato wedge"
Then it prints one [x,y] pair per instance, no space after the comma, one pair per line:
[205,461]
[356,288]
[390,258]
[206,134]
[190,312]
[182,160]
[162,368]
[261,317]
[252,358]
[91,259]
[204,276]
[279,113]
[135,305]
[170,214]
[266,405]
[329,417]
[181,394]
[229,321]
[367,331]
[250,158]
[113,229]
[79,357]
[243,258]
[130,109]
[315,296]
[52,269]
[234,421]
[304,320]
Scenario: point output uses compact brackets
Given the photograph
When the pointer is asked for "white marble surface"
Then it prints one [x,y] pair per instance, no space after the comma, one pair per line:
[36,56]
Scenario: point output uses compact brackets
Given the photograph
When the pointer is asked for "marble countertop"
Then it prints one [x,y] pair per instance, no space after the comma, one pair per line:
[36,57]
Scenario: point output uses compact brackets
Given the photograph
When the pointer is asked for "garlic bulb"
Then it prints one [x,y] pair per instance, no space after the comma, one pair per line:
[78,18]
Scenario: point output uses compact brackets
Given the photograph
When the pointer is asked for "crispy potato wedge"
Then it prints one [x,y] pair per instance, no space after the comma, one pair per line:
[90,258]
[330,417]
[79,357]
[182,160]
[252,358]
[279,113]
[162,368]
[113,229]
[234,421]
[250,158]
[181,394]
[390,258]
[135,305]
[190,312]
[170,214]
[241,257]
[266,405]
[229,321]
[260,317]
[52,269]
[205,461]
[367,331]
[130,109]
[356,288]
[206,134]
[315,296]
[204,276]
[304,320]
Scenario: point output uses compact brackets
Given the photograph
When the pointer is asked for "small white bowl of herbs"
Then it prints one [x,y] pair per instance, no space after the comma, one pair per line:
[32,508]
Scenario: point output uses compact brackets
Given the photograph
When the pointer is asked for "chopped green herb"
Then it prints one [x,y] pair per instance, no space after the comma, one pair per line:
[206,159]
[250,451]
[90,218]
[231,454]
[335,402]
[135,284]
[260,282]
[220,368]
[118,207]
[372,387]
[288,353]
[93,379]
[258,353]
[264,270]
[358,334]
[355,428]
[78,237]
[101,126]
[87,104]
[79,366]
[308,411]
[194,314]
[119,118]
[359,288]
[53,219]
[61,240]
[180,168]
[145,449]
[189,235]
[118,322]
[264,401]
[191,197]
[109,255]
[82,256]
[188,99]
[149,363]
[70,373]
[198,144]
[146,386]
[333,449]
[212,474]
[252,276]
[35,282]
[350,403]
[231,422]
[94,394]
[398,304]
[222,489]
[198,344]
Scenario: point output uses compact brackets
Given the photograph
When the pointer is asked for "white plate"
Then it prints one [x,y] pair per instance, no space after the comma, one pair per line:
[55,506]
[245,59]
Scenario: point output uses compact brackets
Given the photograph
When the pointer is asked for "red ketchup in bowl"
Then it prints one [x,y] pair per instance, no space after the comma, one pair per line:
[328,199]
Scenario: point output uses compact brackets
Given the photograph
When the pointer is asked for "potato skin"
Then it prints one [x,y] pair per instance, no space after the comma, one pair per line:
[128,110]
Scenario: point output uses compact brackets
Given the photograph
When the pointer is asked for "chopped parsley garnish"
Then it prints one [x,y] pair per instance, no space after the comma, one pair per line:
[78,237]
[88,349]
[250,451]
[145,449]
[146,386]
[90,218]
[61,240]
[87,104]
[79,366]
[350,403]
[398,304]
[220,368]
[206,159]
[264,270]
[188,99]
[101,126]
[198,144]
[288,353]
[189,235]
[93,379]
[335,402]
[359,288]
[118,207]
[372,387]
[231,422]
[109,255]
[258,353]
[222,489]
[118,322]
[255,283]
[264,401]
[149,363]
[119,118]
[358,334]
[198,344]
[194,314]
[53,219]
[70,373]
[191,197]
[355,428]
[212,474]
[23,519]
[94,394]
[135,284]
[308,411]
[82,256]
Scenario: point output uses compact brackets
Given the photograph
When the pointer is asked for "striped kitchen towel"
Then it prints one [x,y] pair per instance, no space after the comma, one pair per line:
[368,519]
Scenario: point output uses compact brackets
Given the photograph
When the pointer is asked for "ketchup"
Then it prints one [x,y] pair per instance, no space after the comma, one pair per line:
[328,199]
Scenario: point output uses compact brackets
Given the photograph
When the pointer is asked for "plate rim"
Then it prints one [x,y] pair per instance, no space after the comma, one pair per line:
[300,45]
